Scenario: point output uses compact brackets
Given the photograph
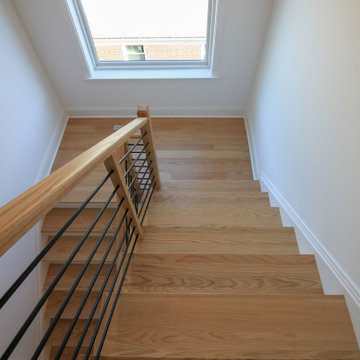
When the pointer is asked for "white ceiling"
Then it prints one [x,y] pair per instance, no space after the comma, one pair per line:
[239,42]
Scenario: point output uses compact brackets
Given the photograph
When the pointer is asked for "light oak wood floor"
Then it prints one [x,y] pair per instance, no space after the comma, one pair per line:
[216,276]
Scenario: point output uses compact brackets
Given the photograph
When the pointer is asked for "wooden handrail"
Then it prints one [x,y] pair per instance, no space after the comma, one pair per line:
[19,215]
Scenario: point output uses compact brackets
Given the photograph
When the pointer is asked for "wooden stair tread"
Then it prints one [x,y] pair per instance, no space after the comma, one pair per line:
[222,274]
[338,355]
[180,197]
[204,157]
[194,173]
[333,355]
[217,240]
[61,329]
[210,199]
[230,327]
[67,353]
[56,298]
[211,185]
[72,272]
[62,249]
[229,216]
[88,185]
[164,145]
[80,193]
[194,169]
[215,276]
[58,216]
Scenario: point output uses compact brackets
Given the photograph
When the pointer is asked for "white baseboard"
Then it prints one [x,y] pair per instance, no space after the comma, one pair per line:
[252,149]
[341,282]
[52,149]
[334,278]
[228,112]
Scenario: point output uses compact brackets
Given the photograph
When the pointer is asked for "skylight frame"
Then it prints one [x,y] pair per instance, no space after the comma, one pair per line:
[96,64]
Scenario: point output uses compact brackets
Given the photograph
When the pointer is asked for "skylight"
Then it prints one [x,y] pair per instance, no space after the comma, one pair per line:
[152,32]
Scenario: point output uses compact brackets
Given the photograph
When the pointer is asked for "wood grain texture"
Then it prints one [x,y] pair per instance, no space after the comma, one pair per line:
[61,328]
[210,199]
[230,186]
[215,276]
[205,157]
[237,191]
[230,327]
[56,218]
[63,248]
[72,272]
[229,216]
[67,354]
[217,240]
[223,274]
[333,355]
[187,149]
[22,213]
[56,298]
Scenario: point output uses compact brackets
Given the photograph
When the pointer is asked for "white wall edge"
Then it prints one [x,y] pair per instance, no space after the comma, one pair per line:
[349,285]
[349,288]
[52,149]
[157,112]
[252,149]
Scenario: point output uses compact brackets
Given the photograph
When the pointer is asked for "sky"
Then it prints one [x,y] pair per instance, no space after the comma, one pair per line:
[146,18]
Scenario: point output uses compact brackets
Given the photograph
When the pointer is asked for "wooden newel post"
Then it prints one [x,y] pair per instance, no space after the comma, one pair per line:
[144,111]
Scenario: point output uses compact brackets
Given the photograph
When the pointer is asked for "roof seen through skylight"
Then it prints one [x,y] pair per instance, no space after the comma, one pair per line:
[144,30]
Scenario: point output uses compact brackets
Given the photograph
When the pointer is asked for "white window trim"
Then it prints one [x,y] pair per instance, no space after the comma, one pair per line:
[140,69]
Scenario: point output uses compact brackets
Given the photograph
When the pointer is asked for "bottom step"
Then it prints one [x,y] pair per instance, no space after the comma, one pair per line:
[231,327]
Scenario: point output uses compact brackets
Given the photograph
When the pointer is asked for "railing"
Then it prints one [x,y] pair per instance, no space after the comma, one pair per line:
[130,159]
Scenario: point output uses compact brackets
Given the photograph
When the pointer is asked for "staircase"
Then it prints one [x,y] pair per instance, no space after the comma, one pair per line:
[216,276]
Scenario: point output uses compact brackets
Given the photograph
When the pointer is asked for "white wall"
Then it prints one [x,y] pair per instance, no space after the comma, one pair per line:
[31,124]
[304,125]
[239,44]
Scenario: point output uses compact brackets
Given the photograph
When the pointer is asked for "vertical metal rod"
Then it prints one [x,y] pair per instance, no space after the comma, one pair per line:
[147,194]
[51,287]
[143,191]
[115,302]
[97,301]
[92,342]
[133,146]
[82,304]
[137,174]
[148,203]
[143,179]
[73,288]
[137,159]
[50,244]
